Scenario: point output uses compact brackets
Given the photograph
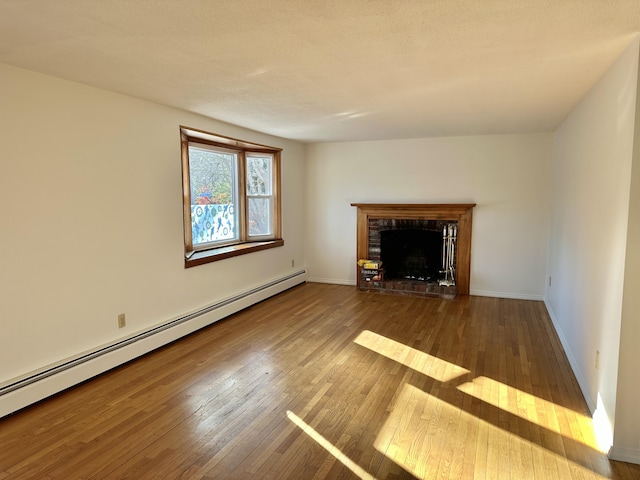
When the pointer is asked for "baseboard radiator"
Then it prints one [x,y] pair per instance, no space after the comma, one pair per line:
[24,391]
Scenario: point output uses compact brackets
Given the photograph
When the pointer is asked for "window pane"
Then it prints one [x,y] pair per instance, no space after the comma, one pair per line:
[259,216]
[258,175]
[213,195]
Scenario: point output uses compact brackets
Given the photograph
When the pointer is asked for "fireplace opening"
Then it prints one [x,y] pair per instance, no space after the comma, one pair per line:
[411,254]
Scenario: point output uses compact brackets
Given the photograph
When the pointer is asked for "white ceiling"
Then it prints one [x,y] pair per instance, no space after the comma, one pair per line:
[331,70]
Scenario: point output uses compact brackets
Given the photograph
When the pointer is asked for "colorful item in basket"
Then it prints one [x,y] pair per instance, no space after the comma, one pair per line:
[370,264]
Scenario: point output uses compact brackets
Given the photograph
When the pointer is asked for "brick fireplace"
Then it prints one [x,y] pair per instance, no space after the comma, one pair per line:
[414,234]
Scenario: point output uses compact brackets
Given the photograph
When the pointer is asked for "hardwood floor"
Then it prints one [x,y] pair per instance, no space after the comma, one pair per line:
[324,381]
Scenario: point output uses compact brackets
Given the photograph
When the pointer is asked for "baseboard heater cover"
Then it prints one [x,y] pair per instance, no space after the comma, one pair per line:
[32,388]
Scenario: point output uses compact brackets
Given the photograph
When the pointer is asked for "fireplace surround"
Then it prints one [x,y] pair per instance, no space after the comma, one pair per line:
[425,219]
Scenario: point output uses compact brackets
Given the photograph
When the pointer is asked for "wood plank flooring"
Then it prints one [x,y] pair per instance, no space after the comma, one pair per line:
[326,382]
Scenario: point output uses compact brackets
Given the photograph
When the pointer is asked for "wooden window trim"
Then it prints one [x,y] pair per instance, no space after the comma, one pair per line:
[194,257]
[220,253]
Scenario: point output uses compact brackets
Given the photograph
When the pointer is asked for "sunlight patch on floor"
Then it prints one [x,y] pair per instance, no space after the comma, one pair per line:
[329,447]
[426,435]
[422,362]
[544,413]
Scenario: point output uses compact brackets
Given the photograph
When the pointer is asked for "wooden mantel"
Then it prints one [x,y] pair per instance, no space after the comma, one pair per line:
[460,212]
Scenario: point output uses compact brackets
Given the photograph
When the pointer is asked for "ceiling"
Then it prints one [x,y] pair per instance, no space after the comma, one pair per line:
[333,70]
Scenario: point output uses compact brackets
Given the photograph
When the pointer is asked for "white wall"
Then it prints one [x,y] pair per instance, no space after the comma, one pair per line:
[507,176]
[72,154]
[591,188]
[626,440]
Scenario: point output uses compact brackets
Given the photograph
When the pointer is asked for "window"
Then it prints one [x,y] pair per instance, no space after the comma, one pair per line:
[231,197]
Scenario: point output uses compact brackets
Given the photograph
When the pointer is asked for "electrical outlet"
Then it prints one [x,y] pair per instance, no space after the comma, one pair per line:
[293,263]
[549,280]
[122,321]
[597,359]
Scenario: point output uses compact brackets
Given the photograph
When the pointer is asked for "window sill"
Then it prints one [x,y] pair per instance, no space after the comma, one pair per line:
[216,254]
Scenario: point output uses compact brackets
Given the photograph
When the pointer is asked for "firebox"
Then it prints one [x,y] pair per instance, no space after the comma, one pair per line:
[411,254]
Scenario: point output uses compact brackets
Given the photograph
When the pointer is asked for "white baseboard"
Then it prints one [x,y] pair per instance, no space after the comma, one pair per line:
[601,424]
[31,388]
[591,403]
[624,455]
[515,296]
[334,281]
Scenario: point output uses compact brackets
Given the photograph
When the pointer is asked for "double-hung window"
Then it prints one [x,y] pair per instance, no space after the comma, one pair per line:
[231,197]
